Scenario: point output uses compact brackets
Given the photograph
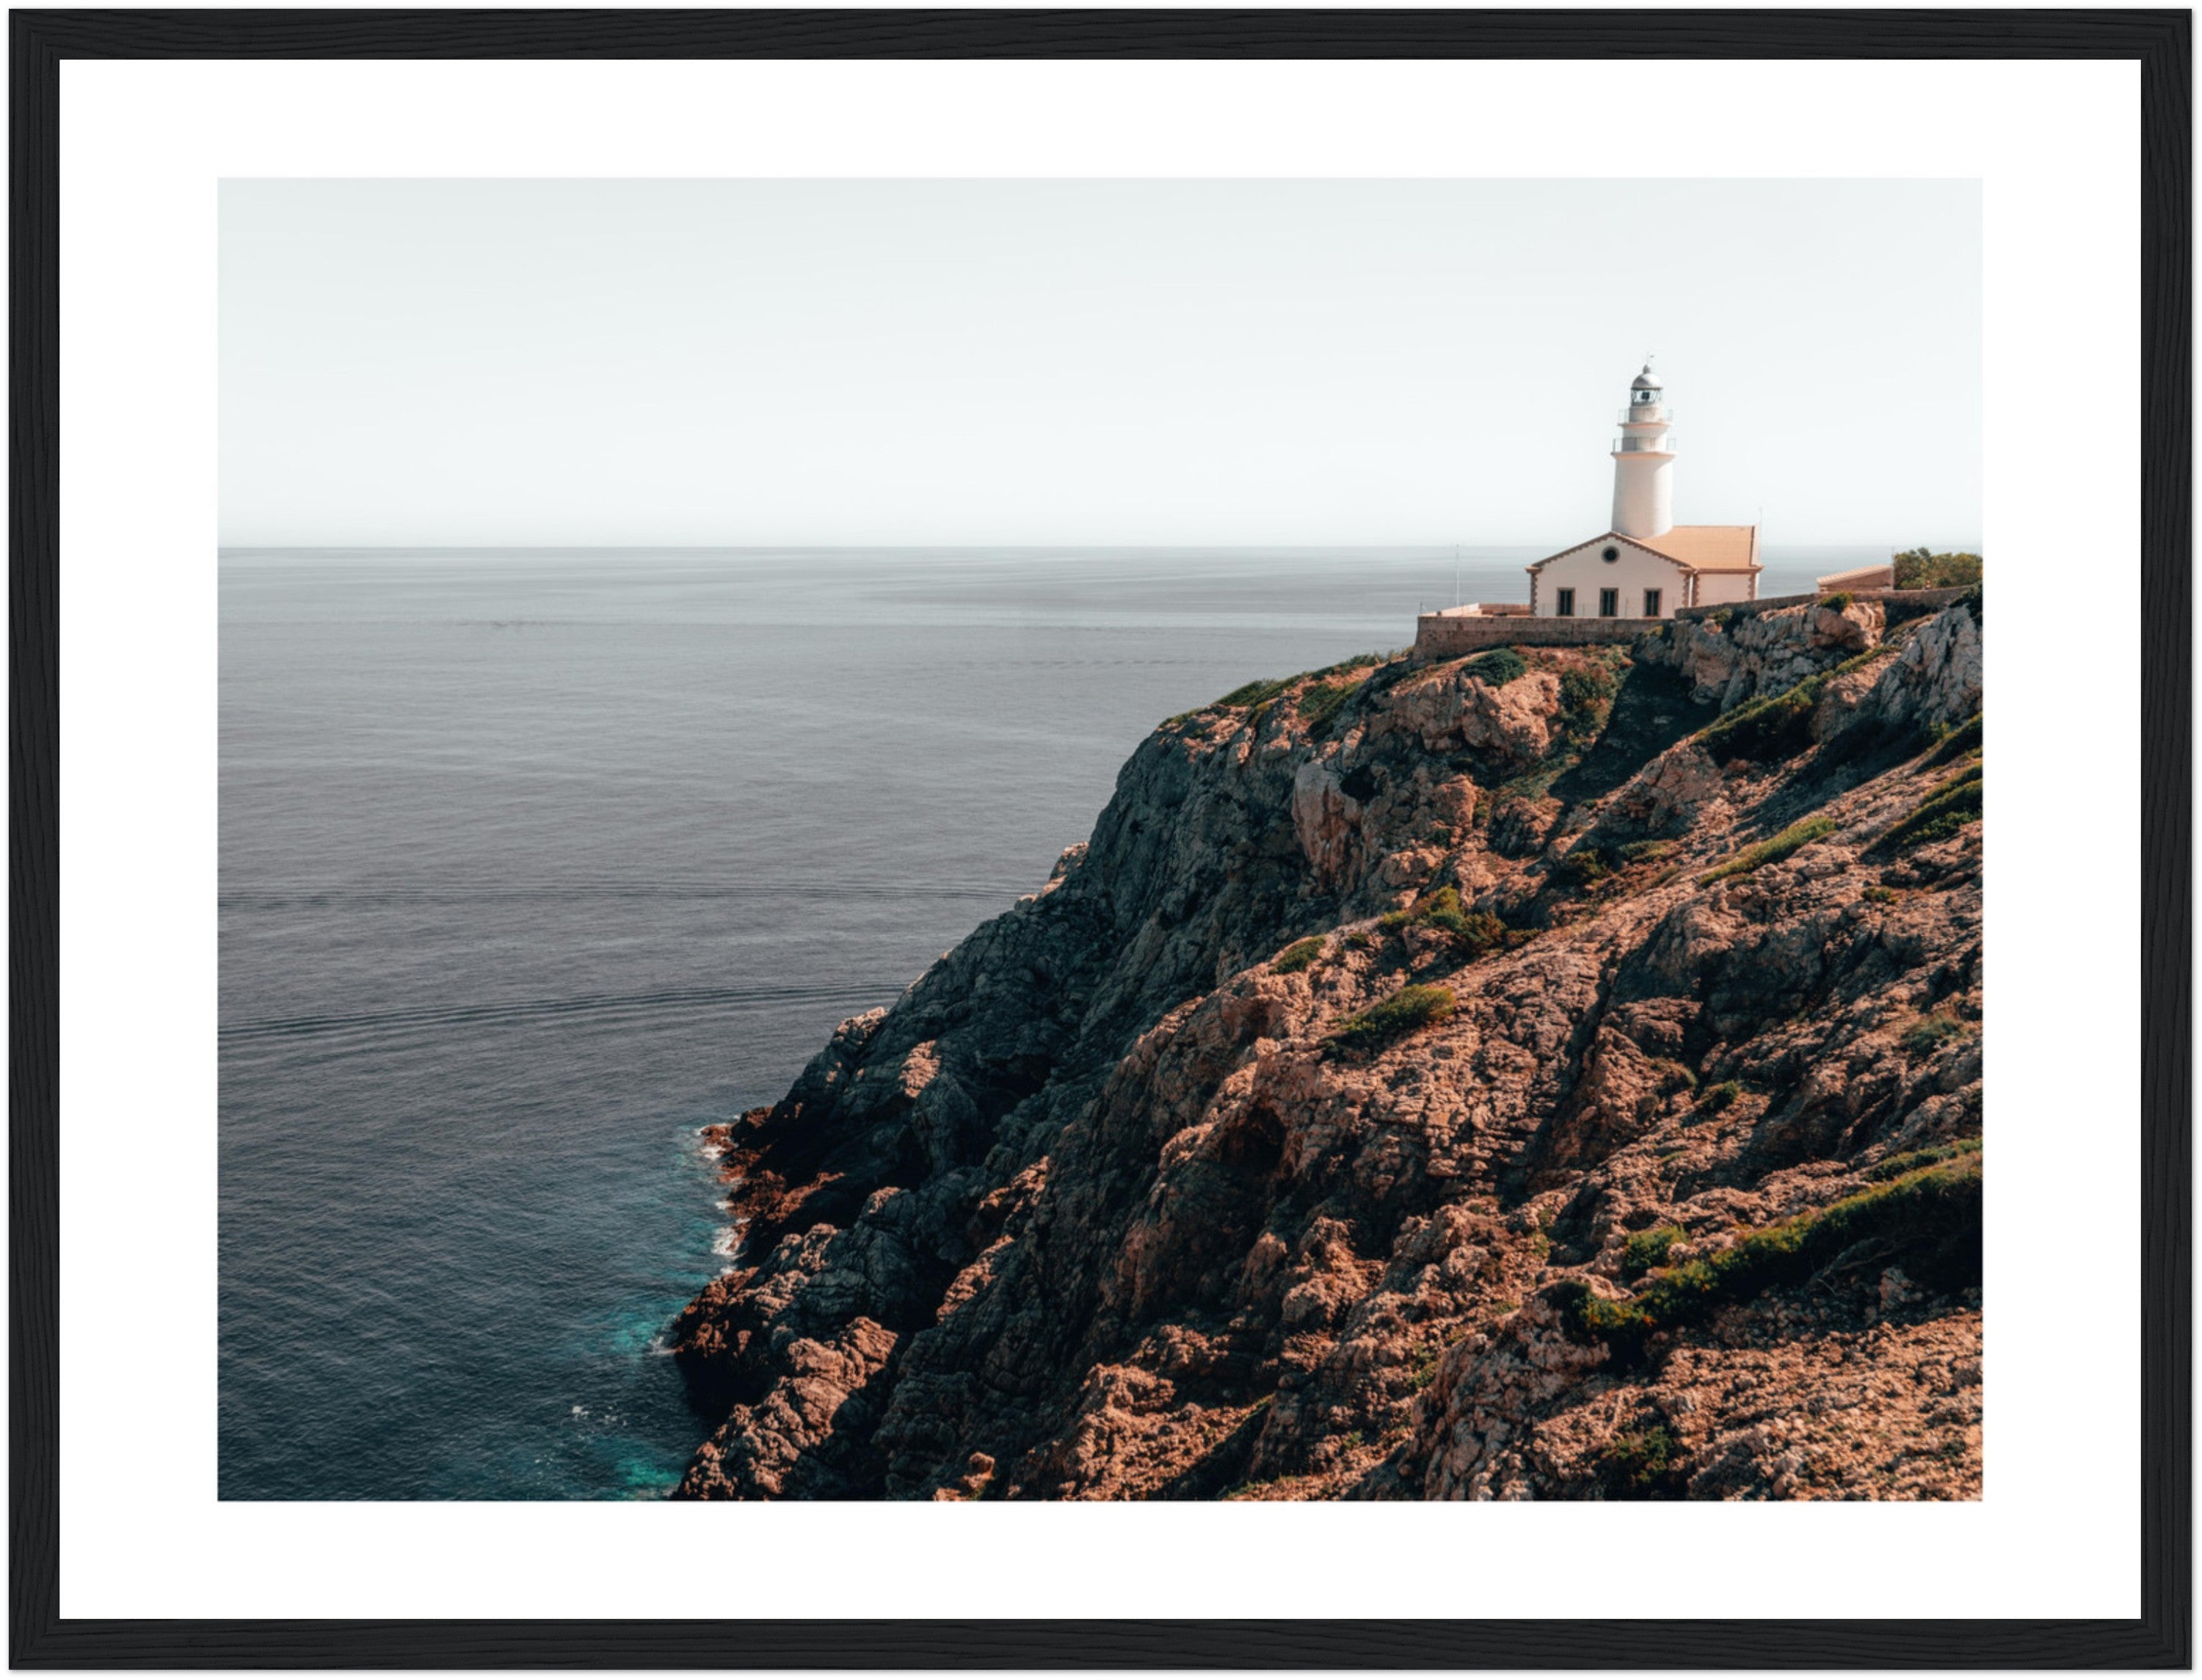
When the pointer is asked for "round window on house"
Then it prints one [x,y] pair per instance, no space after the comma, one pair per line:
[1608,554]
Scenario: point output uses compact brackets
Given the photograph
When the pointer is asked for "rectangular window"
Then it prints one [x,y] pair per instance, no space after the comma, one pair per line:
[1567,607]
[1609,604]
[1650,603]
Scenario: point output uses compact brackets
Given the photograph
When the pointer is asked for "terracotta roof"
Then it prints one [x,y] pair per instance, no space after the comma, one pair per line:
[1708,548]
[1883,574]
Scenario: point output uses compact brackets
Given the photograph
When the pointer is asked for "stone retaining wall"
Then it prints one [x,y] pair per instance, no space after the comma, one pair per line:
[1927,598]
[1447,636]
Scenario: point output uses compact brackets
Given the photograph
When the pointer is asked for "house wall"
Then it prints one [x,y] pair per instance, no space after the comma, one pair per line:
[1637,570]
[1717,588]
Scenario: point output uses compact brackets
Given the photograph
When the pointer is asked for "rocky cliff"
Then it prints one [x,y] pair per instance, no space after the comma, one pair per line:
[1542,1075]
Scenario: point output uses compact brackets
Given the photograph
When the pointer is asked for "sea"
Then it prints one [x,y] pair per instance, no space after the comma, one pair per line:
[533,863]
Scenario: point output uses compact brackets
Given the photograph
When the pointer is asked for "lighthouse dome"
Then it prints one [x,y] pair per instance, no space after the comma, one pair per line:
[1646,380]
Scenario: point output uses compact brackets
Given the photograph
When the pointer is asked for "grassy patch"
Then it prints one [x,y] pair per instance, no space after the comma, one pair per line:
[1320,702]
[1474,932]
[1836,602]
[1299,955]
[1959,741]
[1768,729]
[1497,668]
[1408,1010]
[1932,1215]
[1642,1464]
[1952,804]
[1647,851]
[1879,895]
[1586,693]
[1647,1249]
[1858,662]
[1793,838]
[1929,1033]
[1255,694]
[1584,867]
[1895,1166]
[1358,662]
[1715,1098]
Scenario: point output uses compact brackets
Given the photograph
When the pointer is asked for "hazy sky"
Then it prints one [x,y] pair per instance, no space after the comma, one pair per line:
[539,362]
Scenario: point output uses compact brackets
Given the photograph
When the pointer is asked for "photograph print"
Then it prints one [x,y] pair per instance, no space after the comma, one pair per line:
[1100,840]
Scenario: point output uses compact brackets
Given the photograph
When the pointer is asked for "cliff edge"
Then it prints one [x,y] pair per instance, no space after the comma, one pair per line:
[1546,1074]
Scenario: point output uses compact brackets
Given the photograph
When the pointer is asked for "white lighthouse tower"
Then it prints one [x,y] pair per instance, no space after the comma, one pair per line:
[1643,461]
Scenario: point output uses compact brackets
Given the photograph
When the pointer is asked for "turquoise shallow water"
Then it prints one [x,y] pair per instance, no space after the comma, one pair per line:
[532,864]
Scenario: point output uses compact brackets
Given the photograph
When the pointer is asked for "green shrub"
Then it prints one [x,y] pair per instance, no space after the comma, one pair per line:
[1255,693]
[1319,703]
[1720,619]
[1441,909]
[1587,694]
[1299,955]
[1645,852]
[1408,1010]
[1879,895]
[1796,836]
[1917,568]
[1858,662]
[1647,1249]
[1358,662]
[1768,729]
[1895,1166]
[1641,1465]
[1838,601]
[1585,866]
[1959,741]
[1718,1097]
[1930,1033]
[1952,805]
[1474,932]
[1935,1215]
[1497,668]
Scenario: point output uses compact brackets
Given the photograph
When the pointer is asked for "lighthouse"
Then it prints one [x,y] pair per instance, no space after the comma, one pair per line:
[1645,565]
[1643,461]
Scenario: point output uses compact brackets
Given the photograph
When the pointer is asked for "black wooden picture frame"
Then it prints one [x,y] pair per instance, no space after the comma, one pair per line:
[2159,41]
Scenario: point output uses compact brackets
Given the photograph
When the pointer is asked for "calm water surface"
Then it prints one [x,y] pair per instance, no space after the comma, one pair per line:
[532,863]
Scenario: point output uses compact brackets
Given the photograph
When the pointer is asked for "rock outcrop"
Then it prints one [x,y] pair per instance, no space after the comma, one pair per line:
[1544,1075]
